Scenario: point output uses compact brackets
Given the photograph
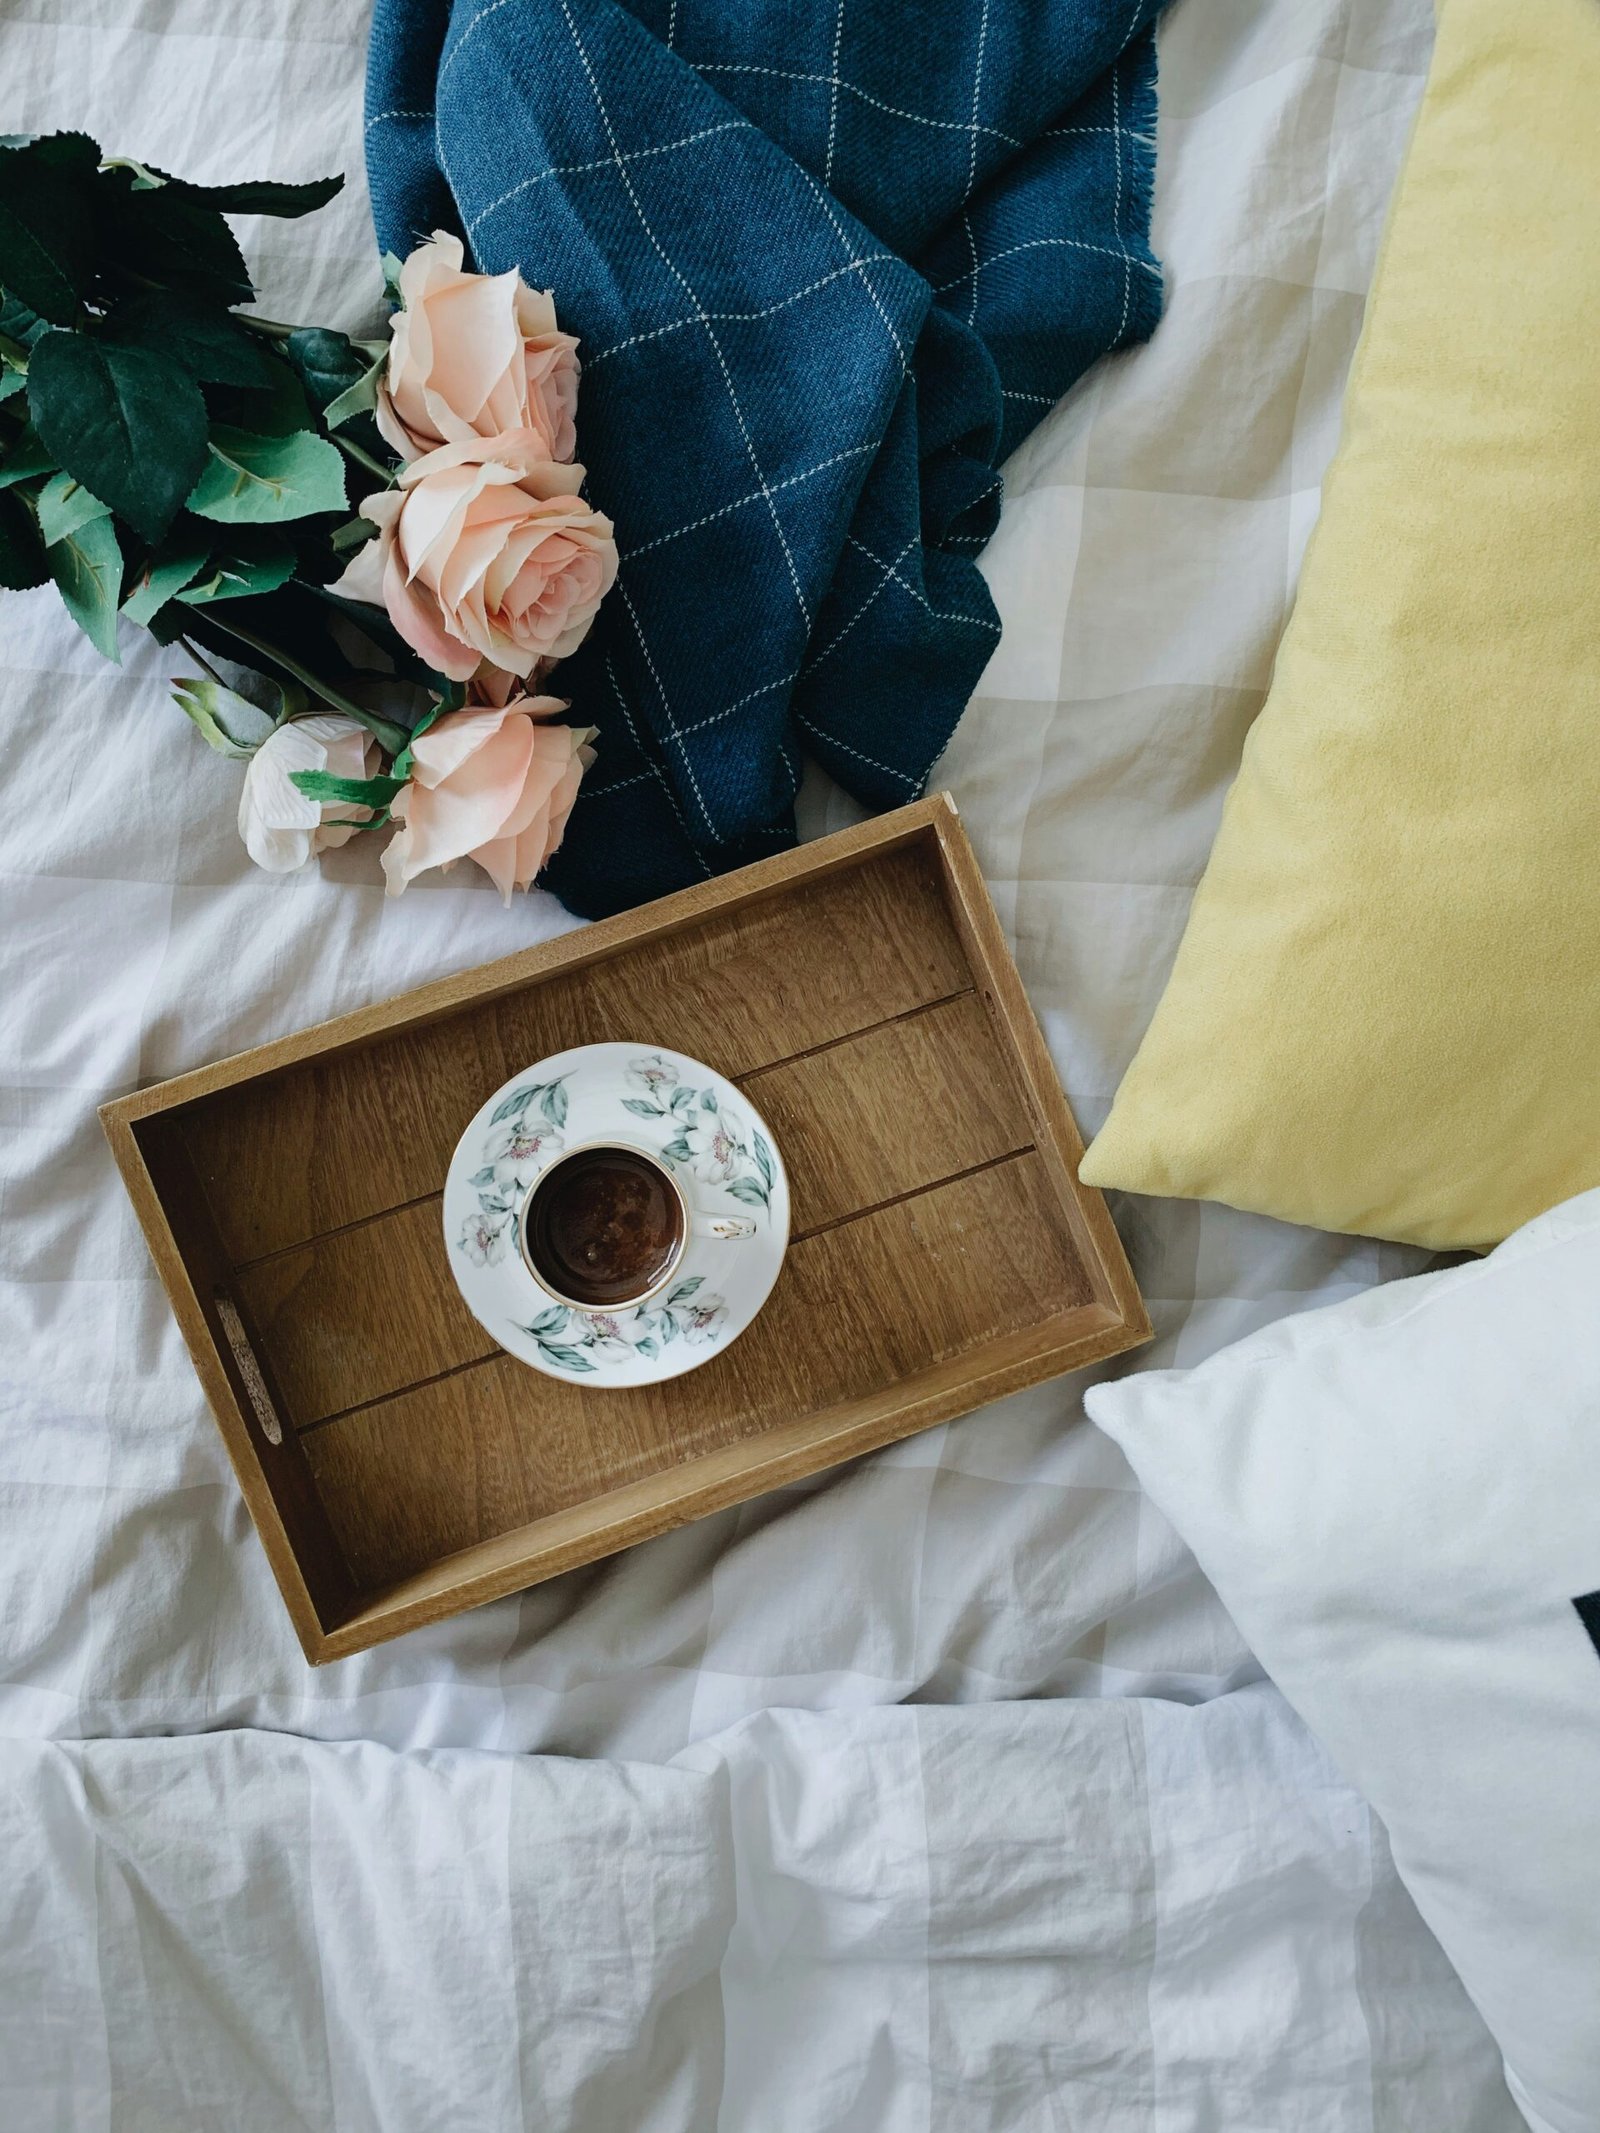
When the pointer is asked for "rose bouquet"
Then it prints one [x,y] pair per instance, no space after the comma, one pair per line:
[180,461]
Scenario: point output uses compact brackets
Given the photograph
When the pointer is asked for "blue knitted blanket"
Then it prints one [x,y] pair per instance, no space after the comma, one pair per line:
[829,265]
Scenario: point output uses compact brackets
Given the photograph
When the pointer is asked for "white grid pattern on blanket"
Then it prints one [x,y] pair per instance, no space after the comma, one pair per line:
[1001,1579]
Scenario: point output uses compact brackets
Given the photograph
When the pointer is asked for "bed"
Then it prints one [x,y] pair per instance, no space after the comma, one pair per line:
[940,1793]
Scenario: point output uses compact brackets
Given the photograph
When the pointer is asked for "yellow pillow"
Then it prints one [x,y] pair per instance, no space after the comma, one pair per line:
[1385,1012]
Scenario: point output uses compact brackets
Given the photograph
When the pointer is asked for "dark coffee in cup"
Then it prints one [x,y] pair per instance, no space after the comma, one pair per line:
[603,1226]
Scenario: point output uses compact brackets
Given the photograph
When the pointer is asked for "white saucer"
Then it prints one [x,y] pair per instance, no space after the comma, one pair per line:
[707,1133]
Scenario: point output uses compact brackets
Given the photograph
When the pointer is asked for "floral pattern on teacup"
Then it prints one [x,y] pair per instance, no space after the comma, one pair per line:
[525,1131]
[586,1341]
[707,1137]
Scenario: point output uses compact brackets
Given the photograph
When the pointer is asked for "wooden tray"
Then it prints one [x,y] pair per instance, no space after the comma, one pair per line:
[398,1465]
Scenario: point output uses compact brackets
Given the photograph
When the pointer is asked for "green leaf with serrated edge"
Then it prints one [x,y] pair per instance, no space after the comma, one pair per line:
[87,567]
[262,196]
[747,1190]
[686,1289]
[22,557]
[277,406]
[203,338]
[237,576]
[26,458]
[349,792]
[12,381]
[250,480]
[18,323]
[127,424]
[358,399]
[512,1106]
[171,238]
[640,1109]
[164,574]
[763,1156]
[228,723]
[565,1358]
[47,232]
[64,506]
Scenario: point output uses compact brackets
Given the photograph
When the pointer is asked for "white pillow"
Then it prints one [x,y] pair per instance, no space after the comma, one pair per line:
[1398,1499]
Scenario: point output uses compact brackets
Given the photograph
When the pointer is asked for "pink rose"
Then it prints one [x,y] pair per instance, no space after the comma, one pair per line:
[472,355]
[486,551]
[490,783]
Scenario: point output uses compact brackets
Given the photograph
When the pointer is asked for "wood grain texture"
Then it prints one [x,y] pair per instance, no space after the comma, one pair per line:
[335,1141]
[857,1308]
[944,1252]
[895,1109]
[370,1309]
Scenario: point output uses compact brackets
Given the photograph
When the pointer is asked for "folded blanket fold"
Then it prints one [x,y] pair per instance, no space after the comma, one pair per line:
[827,271]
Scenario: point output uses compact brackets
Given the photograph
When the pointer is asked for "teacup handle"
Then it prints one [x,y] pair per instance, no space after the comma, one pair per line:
[724,1226]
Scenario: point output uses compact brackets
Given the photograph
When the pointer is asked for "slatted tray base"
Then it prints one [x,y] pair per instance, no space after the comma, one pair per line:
[399,1466]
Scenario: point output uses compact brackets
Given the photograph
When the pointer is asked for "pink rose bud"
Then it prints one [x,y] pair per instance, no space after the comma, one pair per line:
[472,355]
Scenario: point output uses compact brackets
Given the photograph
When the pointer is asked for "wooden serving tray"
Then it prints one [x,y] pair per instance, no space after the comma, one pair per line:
[399,1466]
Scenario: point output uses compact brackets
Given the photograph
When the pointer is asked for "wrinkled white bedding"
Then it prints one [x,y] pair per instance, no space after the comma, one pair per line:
[940,1794]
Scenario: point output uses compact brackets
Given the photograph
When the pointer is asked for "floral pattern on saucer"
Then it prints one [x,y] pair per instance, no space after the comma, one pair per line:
[674,1108]
[525,1131]
[710,1138]
[589,1340]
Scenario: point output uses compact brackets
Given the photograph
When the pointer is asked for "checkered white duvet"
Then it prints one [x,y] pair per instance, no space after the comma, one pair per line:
[939,1794]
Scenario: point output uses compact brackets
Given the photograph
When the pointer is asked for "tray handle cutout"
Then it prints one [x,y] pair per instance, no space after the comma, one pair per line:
[244,1355]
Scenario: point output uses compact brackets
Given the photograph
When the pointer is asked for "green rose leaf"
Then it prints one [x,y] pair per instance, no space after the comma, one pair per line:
[12,381]
[229,724]
[236,575]
[358,399]
[165,573]
[64,506]
[18,323]
[87,567]
[353,792]
[26,458]
[262,196]
[327,363]
[47,229]
[204,339]
[252,480]
[128,425]
[22,556]
[171,237]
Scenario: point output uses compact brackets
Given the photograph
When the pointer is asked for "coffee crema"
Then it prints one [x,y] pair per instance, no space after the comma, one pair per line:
[603,1226]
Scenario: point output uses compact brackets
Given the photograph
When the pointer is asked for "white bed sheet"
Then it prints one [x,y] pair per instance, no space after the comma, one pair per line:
[940,1793]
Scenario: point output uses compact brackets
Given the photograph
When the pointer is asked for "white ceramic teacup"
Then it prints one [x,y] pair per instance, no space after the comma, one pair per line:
[606,1225]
